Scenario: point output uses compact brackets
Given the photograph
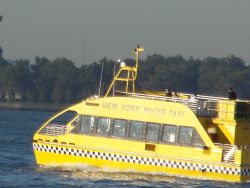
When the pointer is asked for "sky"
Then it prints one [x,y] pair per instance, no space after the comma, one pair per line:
[88,30]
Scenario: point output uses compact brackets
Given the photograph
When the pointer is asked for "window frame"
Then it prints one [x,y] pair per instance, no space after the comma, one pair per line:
[81,117]
[158,137]
[195,132]
[176,134]
[111,127]
[143,131]
[185,144]
[126,128]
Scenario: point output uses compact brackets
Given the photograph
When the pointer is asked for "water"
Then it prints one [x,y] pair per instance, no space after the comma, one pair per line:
[18,168]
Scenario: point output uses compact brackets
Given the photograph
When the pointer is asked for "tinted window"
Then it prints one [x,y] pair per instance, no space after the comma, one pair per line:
[136,130]
[119,128]
[169,133]
[197,141]
[185,135]
[103,126]
[152,132]
[88,124]
[64,118]
[85,124]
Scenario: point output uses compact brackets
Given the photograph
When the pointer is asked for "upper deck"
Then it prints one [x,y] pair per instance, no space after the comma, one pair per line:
[204,106]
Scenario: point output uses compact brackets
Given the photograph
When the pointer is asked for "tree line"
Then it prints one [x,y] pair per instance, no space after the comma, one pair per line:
[60,81]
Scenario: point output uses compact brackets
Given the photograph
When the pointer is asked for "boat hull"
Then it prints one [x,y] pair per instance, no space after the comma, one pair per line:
[58,155]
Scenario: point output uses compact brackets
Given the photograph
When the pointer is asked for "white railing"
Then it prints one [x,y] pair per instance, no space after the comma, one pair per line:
[207,105]
[210,98]
[201,105]
[192,104]
[228,152]
[206,108]
[54,130]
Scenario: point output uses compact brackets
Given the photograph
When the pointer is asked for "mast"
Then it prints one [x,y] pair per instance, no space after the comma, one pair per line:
[127,74]
[100,83]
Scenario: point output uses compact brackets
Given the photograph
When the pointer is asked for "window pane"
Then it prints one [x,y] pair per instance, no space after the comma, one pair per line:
[64,118]
[185,136]
[120,128]
[169,133]
[86,124]
[152,132]
[103,127]
[136,130]
[197,141]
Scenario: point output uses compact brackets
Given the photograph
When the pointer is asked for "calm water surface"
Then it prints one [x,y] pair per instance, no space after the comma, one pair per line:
[18,168]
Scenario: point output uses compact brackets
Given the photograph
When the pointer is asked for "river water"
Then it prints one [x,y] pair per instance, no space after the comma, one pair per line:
[18,168]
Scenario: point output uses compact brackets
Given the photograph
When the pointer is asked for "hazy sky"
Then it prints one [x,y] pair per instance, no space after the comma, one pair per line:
[87,30]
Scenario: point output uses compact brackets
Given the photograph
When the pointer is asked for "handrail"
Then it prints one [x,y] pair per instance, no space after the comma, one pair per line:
[54,130]
[202,106]
[228,152]
[211,98]
[192,104]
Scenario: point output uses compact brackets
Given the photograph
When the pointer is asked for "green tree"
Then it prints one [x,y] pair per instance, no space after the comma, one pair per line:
[66,81]
[43,79]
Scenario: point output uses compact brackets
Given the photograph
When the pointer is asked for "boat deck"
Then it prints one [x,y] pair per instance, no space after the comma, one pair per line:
[202,105]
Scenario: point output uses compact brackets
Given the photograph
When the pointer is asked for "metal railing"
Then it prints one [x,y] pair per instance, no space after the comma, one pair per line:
[207,105]
[54,130]
[201,105]
[192,104]
[228,152]
[207,108]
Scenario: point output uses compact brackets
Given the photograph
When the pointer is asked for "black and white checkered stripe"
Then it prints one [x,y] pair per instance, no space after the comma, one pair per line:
[143,160]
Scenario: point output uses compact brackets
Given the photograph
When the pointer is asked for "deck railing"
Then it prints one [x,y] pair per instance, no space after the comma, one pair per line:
[192,104]
[228,152]
[54,130]
[201,105]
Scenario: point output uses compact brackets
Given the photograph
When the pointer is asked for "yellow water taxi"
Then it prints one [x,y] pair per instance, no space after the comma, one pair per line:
[201,137]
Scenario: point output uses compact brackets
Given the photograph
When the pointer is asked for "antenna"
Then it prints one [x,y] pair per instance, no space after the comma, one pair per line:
[84,49]
[100,84]
[114,76]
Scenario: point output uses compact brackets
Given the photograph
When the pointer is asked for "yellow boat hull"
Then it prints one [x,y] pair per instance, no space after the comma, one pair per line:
[56,155]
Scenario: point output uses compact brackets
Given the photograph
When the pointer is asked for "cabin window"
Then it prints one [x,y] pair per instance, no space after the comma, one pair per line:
[169,133]
[185,135]
[88,124]
[103,126]
[197,141]
[241,110]
[119,128]
[136,130]
[152,132]
[64,118]
[57,125]
[85,124]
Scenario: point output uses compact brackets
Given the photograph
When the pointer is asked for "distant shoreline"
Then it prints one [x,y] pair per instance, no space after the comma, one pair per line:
[32,106]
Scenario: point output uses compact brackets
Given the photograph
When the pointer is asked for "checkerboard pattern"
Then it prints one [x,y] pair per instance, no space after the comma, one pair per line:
[142,160]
